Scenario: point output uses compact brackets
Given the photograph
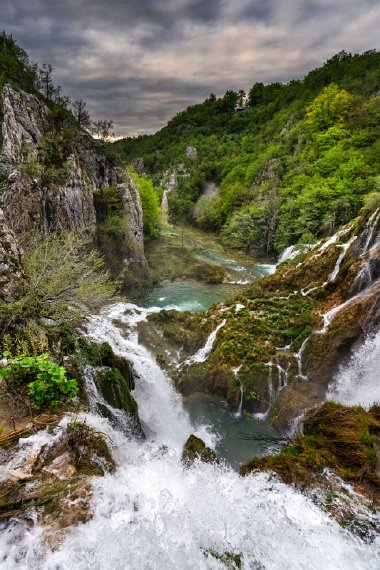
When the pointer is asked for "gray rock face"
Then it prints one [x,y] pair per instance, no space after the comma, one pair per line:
[24,121]
[35,201]
[191,151]
[11,272]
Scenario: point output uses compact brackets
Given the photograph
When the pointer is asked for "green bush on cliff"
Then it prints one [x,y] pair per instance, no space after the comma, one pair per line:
[150,205]
[66,276]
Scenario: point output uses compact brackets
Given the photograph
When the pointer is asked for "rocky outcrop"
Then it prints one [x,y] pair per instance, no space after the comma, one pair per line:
[48,176]
[11,272]
[196,449]
[24,122]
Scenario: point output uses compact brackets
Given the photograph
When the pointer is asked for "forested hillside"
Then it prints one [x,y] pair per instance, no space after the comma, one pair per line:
[293,161]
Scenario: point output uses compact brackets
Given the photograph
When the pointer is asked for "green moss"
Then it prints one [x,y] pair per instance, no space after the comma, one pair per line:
[229,559]
[115,389]
[335,436]
[194,449]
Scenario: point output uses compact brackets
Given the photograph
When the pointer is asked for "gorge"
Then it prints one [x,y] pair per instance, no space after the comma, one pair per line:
[175,397]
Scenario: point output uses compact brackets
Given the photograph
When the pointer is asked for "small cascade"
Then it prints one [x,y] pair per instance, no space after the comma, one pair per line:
[239,412]
[271,390]
[271,393]
[338,263]
[164,201]
[358,382]
[369,230]
[296,426]
[288,253]
[205,351]
[345,246]
[283,376]
[363,278]
[298,357]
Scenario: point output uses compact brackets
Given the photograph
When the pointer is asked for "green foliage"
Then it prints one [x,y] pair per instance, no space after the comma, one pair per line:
[108,202]
[46,381]
[15,67]
[329,108]
[292,166]
[66,275]
[150,205]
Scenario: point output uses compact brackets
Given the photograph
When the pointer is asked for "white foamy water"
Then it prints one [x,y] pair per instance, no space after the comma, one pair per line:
[359,381]
[154,514]
[204,352]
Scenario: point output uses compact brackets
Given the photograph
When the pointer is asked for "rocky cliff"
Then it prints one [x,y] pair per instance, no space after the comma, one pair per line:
[50,171]
[11,272]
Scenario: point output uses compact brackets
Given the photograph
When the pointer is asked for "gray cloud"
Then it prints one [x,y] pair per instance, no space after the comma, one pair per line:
[140,62]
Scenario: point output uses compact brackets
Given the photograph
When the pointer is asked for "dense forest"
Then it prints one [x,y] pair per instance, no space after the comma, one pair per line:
[293,161]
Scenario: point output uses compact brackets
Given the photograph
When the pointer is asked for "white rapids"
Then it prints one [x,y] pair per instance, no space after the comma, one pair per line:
[155,514]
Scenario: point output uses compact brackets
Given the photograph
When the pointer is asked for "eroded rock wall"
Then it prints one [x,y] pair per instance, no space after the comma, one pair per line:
[39,198]
[11,272]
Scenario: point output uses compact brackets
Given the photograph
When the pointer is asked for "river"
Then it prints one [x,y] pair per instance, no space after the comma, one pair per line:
[155,514]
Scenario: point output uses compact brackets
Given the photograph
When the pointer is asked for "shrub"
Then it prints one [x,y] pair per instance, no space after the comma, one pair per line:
[46,381]
[63,272]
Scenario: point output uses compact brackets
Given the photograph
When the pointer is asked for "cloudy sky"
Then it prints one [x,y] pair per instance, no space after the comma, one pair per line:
[139,62]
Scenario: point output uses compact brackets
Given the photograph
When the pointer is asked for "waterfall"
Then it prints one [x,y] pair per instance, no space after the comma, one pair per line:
[369,230]
[358,382]
[298,356]
[164,201]
[205,351]
[160,406]
[155,514]
[240,408]
[282,376]
[338,263]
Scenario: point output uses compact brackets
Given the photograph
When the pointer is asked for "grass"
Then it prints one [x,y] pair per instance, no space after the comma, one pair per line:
[336,437]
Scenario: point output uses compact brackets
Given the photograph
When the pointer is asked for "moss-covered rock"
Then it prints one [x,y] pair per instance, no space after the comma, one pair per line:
[230,560]
[195,448]
[115,390]
[337,437]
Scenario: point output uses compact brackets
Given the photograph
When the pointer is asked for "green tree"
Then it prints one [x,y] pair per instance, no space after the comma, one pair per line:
[66,276]
[150,205]
[330,107]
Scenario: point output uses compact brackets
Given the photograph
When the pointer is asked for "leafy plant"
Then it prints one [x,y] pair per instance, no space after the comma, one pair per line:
[46,381]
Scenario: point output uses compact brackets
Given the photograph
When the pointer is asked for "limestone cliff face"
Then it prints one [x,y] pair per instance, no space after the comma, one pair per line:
[38,196]
[11,273]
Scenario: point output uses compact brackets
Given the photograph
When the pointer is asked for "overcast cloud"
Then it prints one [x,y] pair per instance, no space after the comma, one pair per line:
[139,62]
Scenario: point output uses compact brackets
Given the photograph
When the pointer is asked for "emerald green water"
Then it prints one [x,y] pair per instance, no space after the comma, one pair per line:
[229,428]
[191,295]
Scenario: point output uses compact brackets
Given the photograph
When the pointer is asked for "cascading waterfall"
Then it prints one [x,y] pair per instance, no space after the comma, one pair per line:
[155,514]
[370,229]
[282,376]
[240,408]
[359,381]
[205,351]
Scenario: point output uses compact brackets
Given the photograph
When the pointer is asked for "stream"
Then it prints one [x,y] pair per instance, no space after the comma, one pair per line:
[155,514]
